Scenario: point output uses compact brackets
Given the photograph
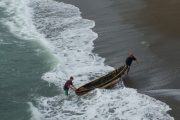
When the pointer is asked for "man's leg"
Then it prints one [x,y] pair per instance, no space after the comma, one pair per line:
[66,92]
[128,70]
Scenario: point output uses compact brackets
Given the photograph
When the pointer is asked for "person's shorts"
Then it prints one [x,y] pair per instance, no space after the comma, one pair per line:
[66,92]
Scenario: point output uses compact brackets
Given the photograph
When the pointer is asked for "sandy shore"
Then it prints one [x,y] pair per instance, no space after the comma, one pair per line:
[164,17]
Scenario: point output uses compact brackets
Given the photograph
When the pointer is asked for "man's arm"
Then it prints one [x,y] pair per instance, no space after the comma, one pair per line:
[135,59]
[72,87]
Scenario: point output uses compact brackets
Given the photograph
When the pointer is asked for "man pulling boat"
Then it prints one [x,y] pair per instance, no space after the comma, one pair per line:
[68,85]
[129,61]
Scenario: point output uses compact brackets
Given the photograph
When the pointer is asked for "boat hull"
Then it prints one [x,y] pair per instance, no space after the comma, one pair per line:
[106,81]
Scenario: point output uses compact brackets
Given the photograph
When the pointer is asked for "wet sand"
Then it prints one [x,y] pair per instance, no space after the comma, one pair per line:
[164,16]
[148,28]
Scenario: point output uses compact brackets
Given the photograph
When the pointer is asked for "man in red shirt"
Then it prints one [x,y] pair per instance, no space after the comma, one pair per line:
[68,85]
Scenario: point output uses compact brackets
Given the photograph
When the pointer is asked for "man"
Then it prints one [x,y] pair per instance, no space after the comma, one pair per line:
[68,85]
[129,61]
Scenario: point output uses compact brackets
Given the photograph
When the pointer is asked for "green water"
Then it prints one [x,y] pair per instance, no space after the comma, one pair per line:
[22,63]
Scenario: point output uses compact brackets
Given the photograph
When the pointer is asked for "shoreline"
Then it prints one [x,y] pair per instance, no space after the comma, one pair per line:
[116,39]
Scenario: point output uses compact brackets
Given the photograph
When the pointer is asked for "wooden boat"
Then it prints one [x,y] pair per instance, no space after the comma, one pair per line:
[103,82]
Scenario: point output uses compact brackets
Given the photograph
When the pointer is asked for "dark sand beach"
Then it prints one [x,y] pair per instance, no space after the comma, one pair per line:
[148,28]
[164,17]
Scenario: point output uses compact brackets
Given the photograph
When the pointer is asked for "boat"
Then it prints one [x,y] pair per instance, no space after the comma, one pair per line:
[106,81]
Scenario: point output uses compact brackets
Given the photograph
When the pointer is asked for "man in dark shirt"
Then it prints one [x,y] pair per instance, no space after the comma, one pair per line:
[129,61]
[68,85]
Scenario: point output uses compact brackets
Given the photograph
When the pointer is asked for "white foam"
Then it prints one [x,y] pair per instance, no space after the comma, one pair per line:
[121,103]
[19,19]
[35,114]
[69,37]
[72,40]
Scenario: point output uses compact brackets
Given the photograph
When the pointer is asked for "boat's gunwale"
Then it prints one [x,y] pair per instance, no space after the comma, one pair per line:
[117,73]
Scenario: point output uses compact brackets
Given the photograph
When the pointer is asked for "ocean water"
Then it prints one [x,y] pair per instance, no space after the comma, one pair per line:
[42,44]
